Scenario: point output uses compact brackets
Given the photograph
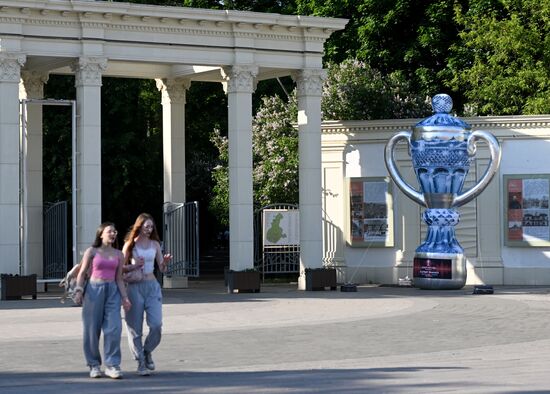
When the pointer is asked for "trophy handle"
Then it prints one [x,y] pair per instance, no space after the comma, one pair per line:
[494,148]
[394,172]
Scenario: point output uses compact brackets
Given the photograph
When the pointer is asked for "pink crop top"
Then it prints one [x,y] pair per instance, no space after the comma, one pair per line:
[104,268]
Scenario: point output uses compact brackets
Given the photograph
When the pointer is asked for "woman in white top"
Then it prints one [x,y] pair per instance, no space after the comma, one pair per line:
[141,250]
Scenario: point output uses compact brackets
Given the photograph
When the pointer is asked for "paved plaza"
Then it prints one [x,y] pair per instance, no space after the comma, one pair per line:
[379,339]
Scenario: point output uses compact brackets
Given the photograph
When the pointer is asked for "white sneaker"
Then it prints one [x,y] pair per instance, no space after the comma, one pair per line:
[142,369]
[113,372]
[149,363]
[95,372]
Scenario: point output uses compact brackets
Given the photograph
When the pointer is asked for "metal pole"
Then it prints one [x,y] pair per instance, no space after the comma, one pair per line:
[74,183]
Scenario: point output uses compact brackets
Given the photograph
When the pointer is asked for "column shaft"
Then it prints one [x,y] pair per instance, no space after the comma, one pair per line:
[240,86]
[173,137]
[32,87]
[309,88]
[10,67]
[88,167]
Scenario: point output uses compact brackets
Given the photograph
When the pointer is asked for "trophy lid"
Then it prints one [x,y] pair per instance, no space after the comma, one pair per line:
[442,121]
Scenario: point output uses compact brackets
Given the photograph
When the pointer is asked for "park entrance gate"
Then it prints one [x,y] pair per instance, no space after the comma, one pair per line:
[181,237]
[276,239]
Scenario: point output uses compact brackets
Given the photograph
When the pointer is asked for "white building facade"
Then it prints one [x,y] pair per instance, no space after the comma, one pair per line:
[175,46]
[503,246]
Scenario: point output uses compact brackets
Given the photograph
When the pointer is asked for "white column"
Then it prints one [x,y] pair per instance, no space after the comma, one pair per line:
[10,72]
[240,85]
[32,87]
[173,136]
[88,167]
[309,88]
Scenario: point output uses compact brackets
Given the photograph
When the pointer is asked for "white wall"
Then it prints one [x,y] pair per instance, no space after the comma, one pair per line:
[525,142]
[528,156]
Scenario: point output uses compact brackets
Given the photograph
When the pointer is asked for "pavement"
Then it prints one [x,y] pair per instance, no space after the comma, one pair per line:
[281,340]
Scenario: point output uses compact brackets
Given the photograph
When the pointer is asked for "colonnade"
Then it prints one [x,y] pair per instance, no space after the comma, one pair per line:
[239,83]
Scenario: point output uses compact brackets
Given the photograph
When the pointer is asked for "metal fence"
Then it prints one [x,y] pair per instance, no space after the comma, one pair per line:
[55,240]
[274,259]
[181,237]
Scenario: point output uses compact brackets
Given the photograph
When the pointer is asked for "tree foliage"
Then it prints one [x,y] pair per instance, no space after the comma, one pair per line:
[410,37]
[502,61]
[275,151]
[354,90]
[492,54]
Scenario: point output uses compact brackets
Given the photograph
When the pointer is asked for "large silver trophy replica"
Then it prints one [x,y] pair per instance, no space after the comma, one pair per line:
[441,147]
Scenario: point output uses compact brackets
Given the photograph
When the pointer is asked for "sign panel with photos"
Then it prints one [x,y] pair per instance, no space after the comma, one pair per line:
[526,210]
[370,212]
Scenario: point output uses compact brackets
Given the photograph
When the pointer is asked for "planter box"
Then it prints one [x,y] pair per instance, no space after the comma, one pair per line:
[318,279]
[243,281]
[16,286]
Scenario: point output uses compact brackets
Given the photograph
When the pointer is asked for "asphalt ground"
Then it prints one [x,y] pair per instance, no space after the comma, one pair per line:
[281,340]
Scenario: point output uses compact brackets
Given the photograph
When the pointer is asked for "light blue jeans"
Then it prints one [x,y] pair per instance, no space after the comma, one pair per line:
[146,297]
[101,312]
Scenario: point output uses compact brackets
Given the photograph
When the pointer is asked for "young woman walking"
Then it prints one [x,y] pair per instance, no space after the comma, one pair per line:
[141,251]
[101,300]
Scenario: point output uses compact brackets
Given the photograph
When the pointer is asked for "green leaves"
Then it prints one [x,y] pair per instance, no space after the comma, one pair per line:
[275,148]
[501,61]
[355,91]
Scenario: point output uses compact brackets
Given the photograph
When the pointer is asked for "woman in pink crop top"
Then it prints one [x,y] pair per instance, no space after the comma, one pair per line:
[141,251]
[101,300]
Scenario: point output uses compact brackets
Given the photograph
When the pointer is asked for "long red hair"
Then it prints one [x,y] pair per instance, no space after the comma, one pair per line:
[135,230]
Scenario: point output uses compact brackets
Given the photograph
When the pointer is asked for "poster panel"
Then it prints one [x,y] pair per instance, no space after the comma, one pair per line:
[370,212]
[526,210]
[281,227]
[432,268]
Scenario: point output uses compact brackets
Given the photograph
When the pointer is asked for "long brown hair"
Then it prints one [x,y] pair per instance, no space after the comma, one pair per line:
[134,232]
[97,241]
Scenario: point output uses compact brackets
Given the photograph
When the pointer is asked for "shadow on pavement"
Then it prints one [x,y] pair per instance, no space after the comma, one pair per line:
[378,380]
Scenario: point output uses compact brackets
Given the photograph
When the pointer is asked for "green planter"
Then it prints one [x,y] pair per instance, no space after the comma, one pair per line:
[243,281]
[320,278]
[16,286]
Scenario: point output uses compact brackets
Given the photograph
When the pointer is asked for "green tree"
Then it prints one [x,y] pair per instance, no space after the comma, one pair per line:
[355,91]
[57,141]
[131,148]
[410,37]
[275,147]
[352,90]
[219,204]
[502,61]
[275,157]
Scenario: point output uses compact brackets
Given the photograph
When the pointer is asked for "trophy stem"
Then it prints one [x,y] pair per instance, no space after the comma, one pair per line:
[439,262]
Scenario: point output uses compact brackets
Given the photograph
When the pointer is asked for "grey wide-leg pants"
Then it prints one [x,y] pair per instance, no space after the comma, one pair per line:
[101,312]
[146,297]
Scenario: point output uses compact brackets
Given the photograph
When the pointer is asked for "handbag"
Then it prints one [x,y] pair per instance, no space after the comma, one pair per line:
[133,276]
[69,283]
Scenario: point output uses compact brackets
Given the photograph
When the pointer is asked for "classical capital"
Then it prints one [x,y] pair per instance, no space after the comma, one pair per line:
[32,84]
[88,70]
[240,79]
[309,82]
[173,89]
[10,66]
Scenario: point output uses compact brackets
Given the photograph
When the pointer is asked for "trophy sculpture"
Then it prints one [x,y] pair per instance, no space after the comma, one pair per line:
[441,147]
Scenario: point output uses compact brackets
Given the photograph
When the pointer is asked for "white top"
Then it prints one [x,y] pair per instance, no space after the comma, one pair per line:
[148,255]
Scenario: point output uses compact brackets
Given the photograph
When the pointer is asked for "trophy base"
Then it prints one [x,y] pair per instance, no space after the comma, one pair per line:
[439,271]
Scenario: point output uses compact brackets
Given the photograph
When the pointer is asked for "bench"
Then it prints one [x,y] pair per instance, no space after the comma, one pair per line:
[45,282]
